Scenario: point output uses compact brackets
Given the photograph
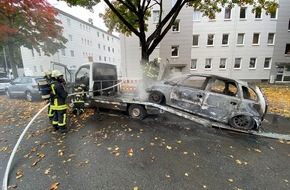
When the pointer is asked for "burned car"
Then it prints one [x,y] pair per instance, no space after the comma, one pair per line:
[234,102]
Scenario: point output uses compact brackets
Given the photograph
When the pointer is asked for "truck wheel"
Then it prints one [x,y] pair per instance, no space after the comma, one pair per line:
[242,122]
[137,111]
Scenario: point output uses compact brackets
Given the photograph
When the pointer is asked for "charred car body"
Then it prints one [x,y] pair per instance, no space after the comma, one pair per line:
[237,103]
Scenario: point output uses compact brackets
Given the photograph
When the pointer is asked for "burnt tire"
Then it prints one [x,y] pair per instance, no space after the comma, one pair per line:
[137,111]
[242,122]
[156,97]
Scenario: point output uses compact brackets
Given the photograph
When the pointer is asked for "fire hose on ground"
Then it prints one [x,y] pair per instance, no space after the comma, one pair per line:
[6,175]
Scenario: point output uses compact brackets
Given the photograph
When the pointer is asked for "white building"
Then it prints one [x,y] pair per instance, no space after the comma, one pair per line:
[84,40]
[238,43]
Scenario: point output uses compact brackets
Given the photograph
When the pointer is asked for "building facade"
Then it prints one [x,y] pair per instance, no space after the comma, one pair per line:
[86,42]
[237,44]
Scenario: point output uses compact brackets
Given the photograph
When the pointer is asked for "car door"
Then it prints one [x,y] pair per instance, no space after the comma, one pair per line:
[16,87]
[188,94]
[221,99]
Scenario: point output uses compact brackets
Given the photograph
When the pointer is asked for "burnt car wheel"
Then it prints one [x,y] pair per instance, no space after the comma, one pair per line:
[28,96]
[242,122]
[156,97]
[137,111]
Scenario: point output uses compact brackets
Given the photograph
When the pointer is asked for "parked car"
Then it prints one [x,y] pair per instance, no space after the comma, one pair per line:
[234,102]
[3,83]
[25,87]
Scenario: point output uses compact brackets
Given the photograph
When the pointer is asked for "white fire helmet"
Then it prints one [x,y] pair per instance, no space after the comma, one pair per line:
[47,73]
[56,73]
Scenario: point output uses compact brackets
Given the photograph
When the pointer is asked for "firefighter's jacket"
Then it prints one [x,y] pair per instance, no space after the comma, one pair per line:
[58,96]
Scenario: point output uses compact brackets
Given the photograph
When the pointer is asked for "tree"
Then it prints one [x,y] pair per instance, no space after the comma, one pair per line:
[131,16]
[29,23]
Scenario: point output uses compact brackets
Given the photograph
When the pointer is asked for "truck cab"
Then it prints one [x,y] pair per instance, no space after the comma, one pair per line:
[100,79]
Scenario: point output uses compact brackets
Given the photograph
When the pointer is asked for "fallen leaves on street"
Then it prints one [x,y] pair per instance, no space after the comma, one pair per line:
[278,98]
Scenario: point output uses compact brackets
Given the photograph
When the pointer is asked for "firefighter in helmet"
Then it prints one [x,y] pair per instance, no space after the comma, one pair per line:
[58,101]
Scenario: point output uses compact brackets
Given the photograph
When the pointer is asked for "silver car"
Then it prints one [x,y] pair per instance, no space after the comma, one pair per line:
[25,87]
[3,83]
[234,102]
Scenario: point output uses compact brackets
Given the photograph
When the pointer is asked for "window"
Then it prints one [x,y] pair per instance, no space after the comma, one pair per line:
[196,15]
[174,51]
[258,14]
[175,26]
[210,39]
[224,87]
[113,50]
[223,63]
[271,37]
[289,24]
[109,49]
[238,62]
[32,53]
[243,12]
[267,63]
[41,68]
[273,14]
[252,64]
[100,58]
[104,47]
[228,13]
[99,46]
[156,15]
[240,39]
[193,64]
[249,94]
[207,63]
[103,36]
[225,39]
[72,53]
[287,49]
[105,58]
[98,34]
[108,38]
[195,40]
[70,38]
[198,82]
[256,37]
[63,52]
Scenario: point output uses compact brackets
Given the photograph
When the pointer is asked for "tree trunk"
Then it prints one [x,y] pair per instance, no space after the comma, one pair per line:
[12,59]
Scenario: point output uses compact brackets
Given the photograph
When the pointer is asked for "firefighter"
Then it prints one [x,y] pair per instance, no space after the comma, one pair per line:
[44,88]
[47,76]
[79,100]
[58,101]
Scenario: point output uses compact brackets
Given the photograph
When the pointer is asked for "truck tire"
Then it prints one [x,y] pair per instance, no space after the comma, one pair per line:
[156,97]
[137,111]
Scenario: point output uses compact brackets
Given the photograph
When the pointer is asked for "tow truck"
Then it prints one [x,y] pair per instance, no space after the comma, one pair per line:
[102,89]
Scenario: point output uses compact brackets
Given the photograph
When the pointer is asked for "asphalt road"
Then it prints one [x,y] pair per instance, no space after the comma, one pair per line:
[117,152]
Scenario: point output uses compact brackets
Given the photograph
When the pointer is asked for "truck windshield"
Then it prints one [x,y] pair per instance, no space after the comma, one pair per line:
[82,76]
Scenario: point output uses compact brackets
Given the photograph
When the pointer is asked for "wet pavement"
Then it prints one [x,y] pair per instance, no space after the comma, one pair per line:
[160,152]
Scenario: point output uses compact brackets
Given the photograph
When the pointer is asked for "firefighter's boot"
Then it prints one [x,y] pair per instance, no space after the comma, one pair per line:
[55,127]
[63,129]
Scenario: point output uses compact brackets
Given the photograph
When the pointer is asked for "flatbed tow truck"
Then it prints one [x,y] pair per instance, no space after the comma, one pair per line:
[139,109]
[103,91]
